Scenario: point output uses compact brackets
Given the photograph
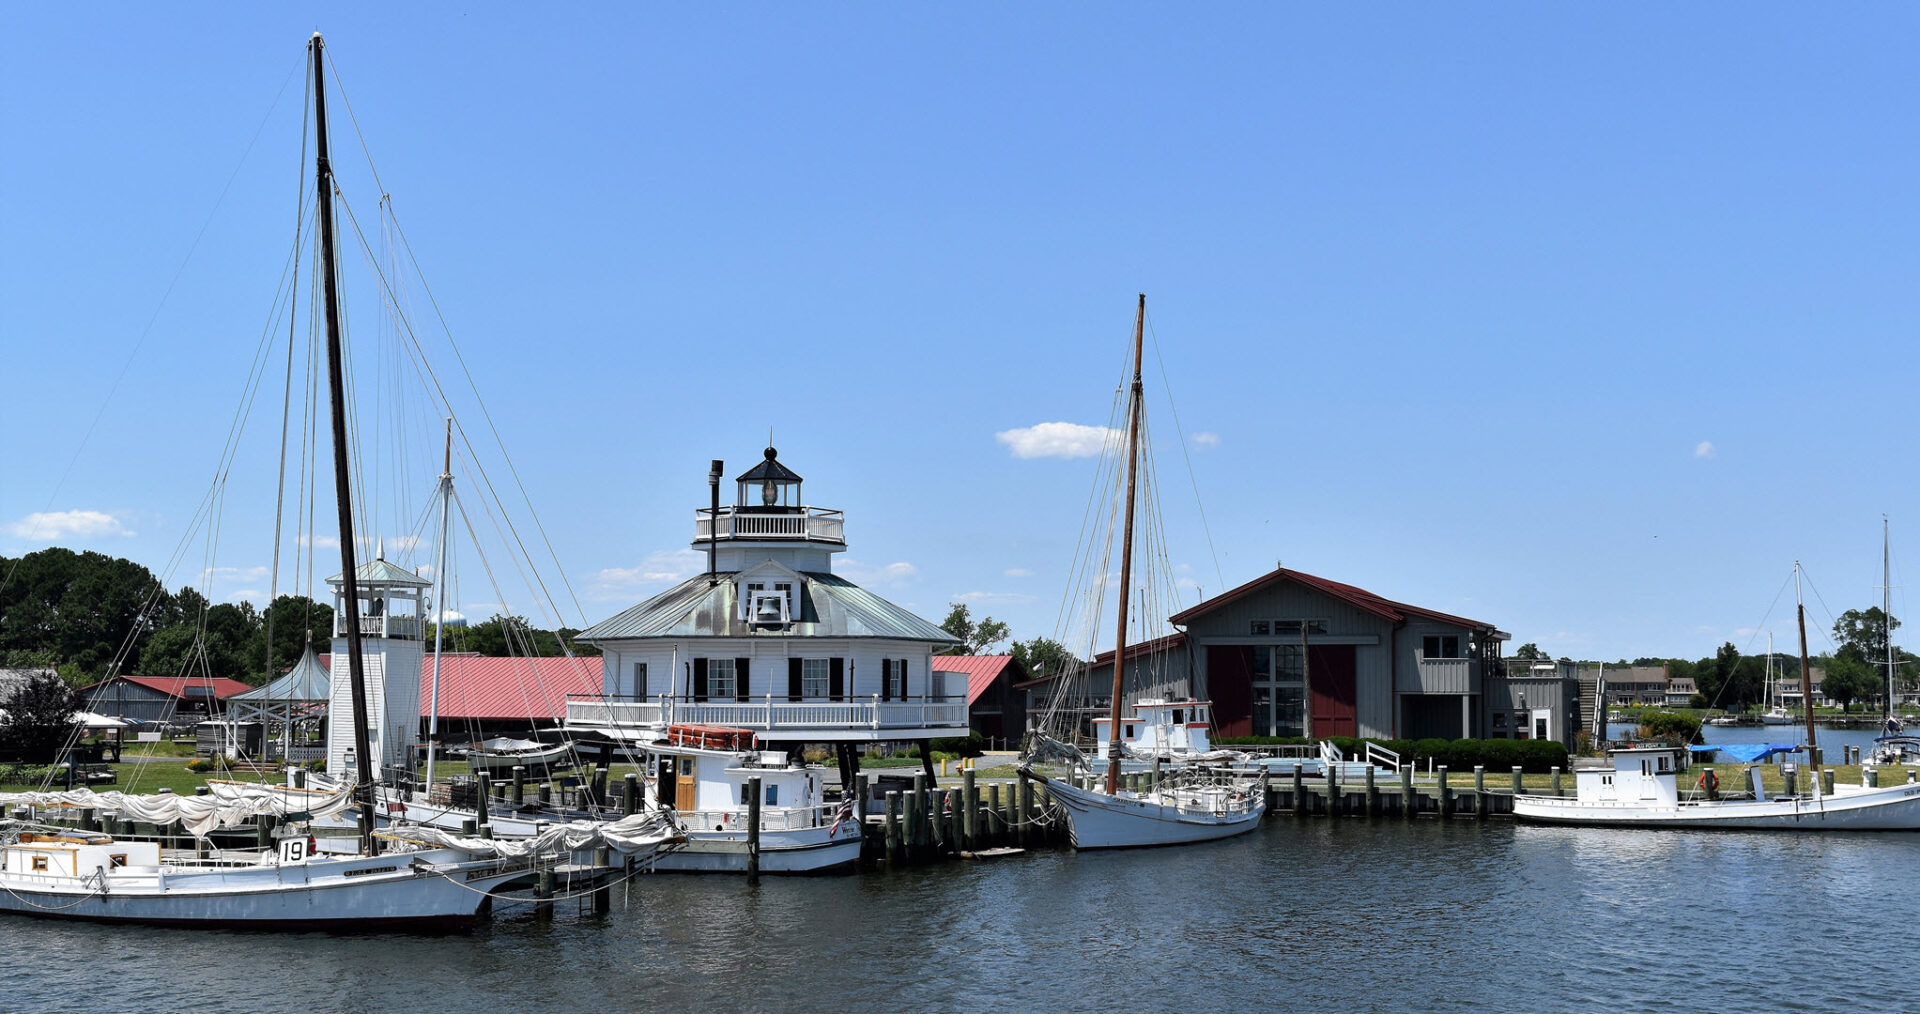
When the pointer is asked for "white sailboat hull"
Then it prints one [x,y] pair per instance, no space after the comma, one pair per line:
[1096,820]
[810,850]
[438,889]
[1889,809]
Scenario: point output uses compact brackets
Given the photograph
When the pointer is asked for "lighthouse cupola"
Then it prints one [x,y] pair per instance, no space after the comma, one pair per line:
[769,520]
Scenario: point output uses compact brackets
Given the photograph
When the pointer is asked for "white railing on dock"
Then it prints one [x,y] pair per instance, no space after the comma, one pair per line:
[1381,757]
[771,714]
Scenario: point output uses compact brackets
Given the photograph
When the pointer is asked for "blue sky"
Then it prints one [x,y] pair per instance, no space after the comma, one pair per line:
[1586,322]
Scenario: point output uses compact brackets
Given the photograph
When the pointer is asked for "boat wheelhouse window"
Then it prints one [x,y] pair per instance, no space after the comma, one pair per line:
[39,864]
[639,679]
[1433,646]
[117,860]
[773,795]
[746,794]
[814,677]
[1177,719]
[686,767]
[720,678]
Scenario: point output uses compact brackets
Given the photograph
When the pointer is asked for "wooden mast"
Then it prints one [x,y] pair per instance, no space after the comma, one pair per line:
[1126,555]
[1806,678]
[342,478]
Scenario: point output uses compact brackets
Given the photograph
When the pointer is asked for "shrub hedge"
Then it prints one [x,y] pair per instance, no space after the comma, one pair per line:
[1534,756]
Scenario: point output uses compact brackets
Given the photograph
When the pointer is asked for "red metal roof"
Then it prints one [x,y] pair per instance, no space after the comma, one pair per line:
[981,670]
[177,686]
[502,688]
[1166,642]
[1358,597]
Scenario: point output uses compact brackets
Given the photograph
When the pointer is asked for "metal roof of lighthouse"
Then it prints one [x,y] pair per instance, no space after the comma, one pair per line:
[379,571]
[828,606]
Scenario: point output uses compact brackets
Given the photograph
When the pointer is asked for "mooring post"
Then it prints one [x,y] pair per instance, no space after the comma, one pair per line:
[1826,781]
[1480,790]
[894,847]
[996,818]
[546,794]
[957,818]
[860,799]
[753,829]
[1023,809]
[468,827]
[599,801]
[200,849]
[486,830]
[917,836]
[1299,790]
[1792,779]
[1373,794]
[1517,787]
[519,784]
[1266,787]
[630,794]
[1409,800]
[1870,777]
[1446,793]
[1333,791]
[1153,780]
[543,895]
[603,895]
[1913,775]
[971,792]
[481,788]
[1556,781]
[263,830]
[299,778]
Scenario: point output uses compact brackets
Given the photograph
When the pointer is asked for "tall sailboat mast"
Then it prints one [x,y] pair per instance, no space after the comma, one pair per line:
[1886,617]
[1806,677]
[1126,554]
[342,477]
[439,603]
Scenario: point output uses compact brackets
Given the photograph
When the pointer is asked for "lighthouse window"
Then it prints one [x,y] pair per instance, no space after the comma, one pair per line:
[814,677]
[720,678]
[896,678]
[639,679]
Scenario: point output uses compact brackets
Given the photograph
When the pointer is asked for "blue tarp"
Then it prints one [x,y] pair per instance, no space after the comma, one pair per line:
[1748,753]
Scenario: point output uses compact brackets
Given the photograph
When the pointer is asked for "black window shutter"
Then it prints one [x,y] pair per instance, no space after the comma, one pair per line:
[903,679]
[886,679]
[837,678]
[699,679]
[793,679]
[741,690]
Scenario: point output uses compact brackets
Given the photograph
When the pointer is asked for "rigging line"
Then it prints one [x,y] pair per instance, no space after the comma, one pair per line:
[286,402]
[141,341]
[418,355]
[486,414]
[1166,383]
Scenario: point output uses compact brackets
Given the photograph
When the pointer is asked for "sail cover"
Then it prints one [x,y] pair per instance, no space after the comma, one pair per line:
[1748,753]
[225,804]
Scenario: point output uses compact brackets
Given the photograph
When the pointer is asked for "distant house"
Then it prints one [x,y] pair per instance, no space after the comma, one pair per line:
[996,707]
[1636,685]
[161,698]
[1680,691]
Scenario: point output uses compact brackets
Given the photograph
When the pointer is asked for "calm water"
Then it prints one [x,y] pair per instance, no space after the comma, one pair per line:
[1348,915]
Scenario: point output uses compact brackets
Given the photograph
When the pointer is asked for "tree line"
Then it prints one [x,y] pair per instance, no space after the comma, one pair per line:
[88,615]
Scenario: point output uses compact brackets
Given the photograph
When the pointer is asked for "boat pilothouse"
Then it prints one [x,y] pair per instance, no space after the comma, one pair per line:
[1163,729]
[707,775]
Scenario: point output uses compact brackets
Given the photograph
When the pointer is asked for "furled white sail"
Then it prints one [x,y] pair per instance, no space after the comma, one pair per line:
[225,805]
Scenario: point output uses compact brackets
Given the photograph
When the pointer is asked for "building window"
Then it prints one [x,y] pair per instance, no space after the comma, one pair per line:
[1499,719]
[1440,647]
[1289,627]
[896,678]
[720,681]
[639,679]
[1262,628]
[814,677]
[1279,691]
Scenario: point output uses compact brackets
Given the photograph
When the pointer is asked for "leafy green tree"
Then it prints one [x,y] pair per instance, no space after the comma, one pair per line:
[39,718]
[297,621]
[1042,656]
[1725,681]
[1529,652]
[81,607]
[505,635]
[974,638]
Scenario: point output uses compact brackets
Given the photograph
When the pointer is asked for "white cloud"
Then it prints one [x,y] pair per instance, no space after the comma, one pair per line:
[661,567]
[861,574]
[67,524]
[1705,449]
[401,543]
[1017,572]
[1204,439]
[452,616]
[319,541]
[1057,440]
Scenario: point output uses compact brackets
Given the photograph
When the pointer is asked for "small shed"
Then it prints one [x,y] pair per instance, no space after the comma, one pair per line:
[995,708]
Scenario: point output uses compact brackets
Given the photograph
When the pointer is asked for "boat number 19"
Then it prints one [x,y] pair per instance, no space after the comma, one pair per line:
[293,850]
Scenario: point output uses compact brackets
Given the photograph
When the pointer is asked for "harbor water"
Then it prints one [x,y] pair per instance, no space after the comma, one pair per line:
[1302,914]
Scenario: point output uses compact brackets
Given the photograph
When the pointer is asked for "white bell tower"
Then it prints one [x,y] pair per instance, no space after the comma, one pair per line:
[390,610]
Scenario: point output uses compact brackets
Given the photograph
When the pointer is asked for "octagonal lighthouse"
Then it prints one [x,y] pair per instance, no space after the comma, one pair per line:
[769,639]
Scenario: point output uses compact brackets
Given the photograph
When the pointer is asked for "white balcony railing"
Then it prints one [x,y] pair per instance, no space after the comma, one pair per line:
[778,818]
[385,625]
[813,523]
[771,714]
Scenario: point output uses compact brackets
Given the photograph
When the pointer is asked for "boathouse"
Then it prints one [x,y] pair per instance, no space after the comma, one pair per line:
[1294,654]
[770,639]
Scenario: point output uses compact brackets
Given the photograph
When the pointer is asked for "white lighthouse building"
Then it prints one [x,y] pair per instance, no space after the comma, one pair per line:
[769,639]
[389,614]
